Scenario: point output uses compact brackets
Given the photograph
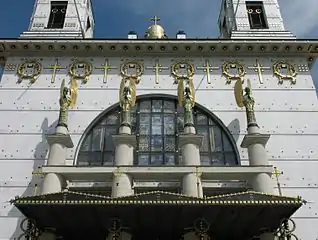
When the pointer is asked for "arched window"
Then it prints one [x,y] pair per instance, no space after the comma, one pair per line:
[157,123]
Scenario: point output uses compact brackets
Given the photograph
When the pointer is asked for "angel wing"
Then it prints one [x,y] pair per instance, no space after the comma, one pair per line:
[249,85]
[73,88]
[180,92]
[238,91]
[62,88]
[132,86]
[191,85]
[121,90]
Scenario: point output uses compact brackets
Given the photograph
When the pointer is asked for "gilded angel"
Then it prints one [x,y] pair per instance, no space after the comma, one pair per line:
[186,93]
[127,94]
[246,100]
[68,98]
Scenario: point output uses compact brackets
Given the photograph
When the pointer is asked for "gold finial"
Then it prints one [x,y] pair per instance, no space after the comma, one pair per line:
[155,19]
[277,174]
[155,31]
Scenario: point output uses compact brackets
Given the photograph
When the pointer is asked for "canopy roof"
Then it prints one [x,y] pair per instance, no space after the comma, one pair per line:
[77,215]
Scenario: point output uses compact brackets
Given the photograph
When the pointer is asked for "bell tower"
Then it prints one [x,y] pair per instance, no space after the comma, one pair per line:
[61,19]
[252,19]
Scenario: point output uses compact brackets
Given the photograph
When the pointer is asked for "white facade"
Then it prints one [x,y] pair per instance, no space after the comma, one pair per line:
[288,112]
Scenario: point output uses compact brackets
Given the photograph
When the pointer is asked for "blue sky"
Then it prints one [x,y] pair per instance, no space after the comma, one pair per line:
[197,18]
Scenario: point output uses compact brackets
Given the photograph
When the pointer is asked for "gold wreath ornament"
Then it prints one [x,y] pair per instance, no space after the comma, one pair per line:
[87,68]
[290,68]
[227,66]
[30,64]
[175,70]
[124,70]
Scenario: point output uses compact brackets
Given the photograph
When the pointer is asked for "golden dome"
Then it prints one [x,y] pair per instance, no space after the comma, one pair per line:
[155,31]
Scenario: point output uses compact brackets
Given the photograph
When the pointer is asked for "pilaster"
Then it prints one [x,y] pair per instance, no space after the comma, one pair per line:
[190,149]
[124,156]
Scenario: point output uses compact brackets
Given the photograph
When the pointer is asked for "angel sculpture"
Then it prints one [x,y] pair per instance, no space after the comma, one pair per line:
[246,100]
[68,98]
[127,97]
[186,98]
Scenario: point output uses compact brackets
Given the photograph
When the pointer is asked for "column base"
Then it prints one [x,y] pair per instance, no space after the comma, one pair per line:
[192,185]
[250,139]
[122,185]
[262,182]
[52,183]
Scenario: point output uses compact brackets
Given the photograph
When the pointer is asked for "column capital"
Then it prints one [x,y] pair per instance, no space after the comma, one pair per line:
[190,139]
[250,139]
[63,139]
[128,139]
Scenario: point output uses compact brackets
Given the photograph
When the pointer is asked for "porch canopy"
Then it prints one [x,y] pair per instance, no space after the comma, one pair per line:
[157,215]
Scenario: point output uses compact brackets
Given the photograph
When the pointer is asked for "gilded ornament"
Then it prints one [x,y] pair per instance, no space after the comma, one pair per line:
[81,70]
[284,70]
[105,67]
[233,70]
[182,70]
[186,99]
[132,70]
[259,68]
[286,230]
[157,68]
[246,100]
[68,98]
[207,68]
[29,70]
[55,68]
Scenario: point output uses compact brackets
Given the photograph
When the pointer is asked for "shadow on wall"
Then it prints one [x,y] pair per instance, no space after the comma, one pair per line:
[34,184]
[235,128]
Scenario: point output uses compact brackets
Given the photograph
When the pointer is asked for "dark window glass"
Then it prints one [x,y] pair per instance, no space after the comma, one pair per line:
[256,15]
[57,14]
[157,124]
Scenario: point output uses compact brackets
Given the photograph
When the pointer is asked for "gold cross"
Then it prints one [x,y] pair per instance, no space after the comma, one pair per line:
[208,69]
[276,173]
[155,19]
[55,67]
[106,67]
[259,68]
[36,173]
[157,68]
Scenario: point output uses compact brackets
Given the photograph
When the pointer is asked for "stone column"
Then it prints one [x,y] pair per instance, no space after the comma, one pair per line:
[59,142]
[52,182]
[124,156]
[255,143]
[190,144]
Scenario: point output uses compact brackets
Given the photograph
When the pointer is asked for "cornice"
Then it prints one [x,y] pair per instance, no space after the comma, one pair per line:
[146,47]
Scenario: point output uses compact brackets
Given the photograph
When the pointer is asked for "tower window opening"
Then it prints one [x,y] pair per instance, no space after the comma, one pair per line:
[57,14]
[256,15]
[88,24]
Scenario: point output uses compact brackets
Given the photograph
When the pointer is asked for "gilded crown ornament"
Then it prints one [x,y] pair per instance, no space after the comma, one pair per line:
[245,100]
[29,70]
[132,69]
[81,70]
[68,98]
[233,70]
[284,70]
